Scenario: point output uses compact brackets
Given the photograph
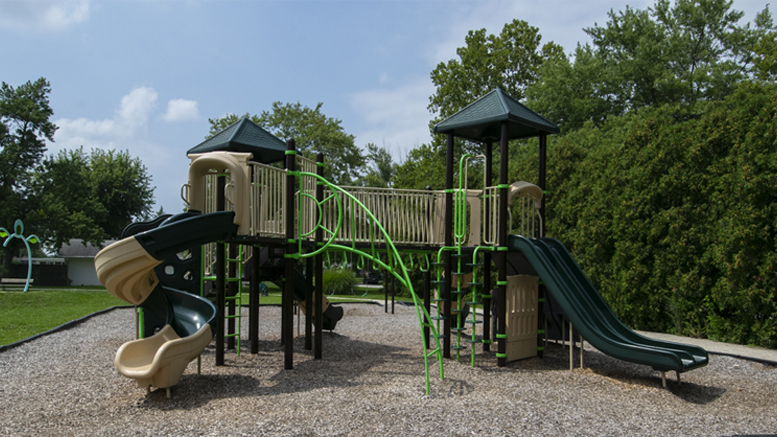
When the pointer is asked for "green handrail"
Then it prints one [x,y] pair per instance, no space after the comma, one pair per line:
[393,259]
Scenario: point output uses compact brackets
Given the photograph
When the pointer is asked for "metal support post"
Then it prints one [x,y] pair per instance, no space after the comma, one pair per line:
[487,256]
[318,316]
[502,243]
[287,317]
[233,288]
[220,279]
[309,304]
[253,309]
[446,295]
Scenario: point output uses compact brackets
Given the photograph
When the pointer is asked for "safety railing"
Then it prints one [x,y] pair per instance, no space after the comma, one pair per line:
[524,200]
[305,197]
[406,215]
[346,210]
[211,199]
[268,200]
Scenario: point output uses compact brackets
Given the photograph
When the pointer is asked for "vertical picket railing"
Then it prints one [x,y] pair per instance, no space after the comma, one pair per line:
[268,208]
[406,215]
[306,198]
[211,199]
[524,213]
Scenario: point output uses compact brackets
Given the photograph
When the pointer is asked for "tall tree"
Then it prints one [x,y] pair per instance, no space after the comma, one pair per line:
[92,196]
[24,128]
[510,61]
[313,132]
[381,167]
[681,53]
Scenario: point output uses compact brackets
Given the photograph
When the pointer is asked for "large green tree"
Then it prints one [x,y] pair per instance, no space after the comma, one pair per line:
[381,168]
[90,196]
[674,221]
[69,195]
[24,129]
[313,132]
[684,53]
[510,61]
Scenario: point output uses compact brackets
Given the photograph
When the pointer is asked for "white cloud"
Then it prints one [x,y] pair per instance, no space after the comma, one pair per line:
[42,15]
[181,110]
[395,117]
[133,114]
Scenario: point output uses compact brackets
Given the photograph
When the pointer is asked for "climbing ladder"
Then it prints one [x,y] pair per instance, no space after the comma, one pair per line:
[233,276]
[464,291]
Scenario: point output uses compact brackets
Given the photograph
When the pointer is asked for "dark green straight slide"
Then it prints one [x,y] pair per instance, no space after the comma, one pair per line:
[591,316]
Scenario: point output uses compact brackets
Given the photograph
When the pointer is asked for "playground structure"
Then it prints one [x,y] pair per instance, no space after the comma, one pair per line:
[244,213]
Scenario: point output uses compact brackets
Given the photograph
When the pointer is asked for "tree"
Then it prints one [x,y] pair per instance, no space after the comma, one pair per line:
[424,166]
[93,197]
[313,132]
[685,54]
[571,93]
[382,170]
[24,128]
[510,61]
[765,49]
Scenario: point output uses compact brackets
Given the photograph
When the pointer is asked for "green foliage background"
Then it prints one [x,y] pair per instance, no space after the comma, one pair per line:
[663,181]
[674,221]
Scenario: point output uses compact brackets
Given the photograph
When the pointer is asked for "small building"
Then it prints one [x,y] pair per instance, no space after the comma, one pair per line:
[45,271]
[80,261]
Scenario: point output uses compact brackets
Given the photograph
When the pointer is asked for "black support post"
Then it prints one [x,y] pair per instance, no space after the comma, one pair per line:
[232,290]
[446,350]
[220,278]
[542,292]
[309,304]
[318,311]
[502,244]
[541,171]
[253,307]
[287,316]
[487,256]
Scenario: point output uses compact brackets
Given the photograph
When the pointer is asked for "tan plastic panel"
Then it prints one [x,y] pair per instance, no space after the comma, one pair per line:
[160,360]
[237,164]
[127,270]
[521,320]
[526,189]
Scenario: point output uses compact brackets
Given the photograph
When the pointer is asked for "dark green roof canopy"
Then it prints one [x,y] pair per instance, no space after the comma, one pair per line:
[247,137]
[482,119]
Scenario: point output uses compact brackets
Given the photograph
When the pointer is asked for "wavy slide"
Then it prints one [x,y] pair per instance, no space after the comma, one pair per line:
[591,316]
[126,269]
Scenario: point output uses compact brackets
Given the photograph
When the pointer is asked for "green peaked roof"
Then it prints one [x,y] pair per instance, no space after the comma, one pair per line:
[482,120]
[245,136]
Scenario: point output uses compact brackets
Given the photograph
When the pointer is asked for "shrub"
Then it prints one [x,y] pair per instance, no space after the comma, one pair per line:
[338,281]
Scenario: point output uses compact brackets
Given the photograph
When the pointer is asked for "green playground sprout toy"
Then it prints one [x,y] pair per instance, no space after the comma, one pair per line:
[18,228]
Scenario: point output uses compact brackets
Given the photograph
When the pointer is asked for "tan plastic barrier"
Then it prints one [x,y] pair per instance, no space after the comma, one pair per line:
[160,360]
[127,271]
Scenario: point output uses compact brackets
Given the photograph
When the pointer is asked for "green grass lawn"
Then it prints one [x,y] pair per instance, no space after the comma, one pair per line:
[40,309]
[23,315]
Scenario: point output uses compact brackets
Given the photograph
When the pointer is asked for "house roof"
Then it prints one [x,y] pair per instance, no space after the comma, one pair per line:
[482,119]
[76,248]
[245,136]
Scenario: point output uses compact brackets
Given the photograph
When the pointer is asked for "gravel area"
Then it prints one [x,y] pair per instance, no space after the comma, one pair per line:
[371,381]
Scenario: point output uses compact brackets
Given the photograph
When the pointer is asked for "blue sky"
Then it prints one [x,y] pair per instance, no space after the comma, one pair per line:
[145,76]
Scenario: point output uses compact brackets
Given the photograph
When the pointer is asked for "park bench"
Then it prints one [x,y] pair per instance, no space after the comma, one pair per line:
[6,283]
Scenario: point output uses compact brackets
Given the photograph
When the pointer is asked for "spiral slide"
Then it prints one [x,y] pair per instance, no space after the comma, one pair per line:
[126,269]
[591,316]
